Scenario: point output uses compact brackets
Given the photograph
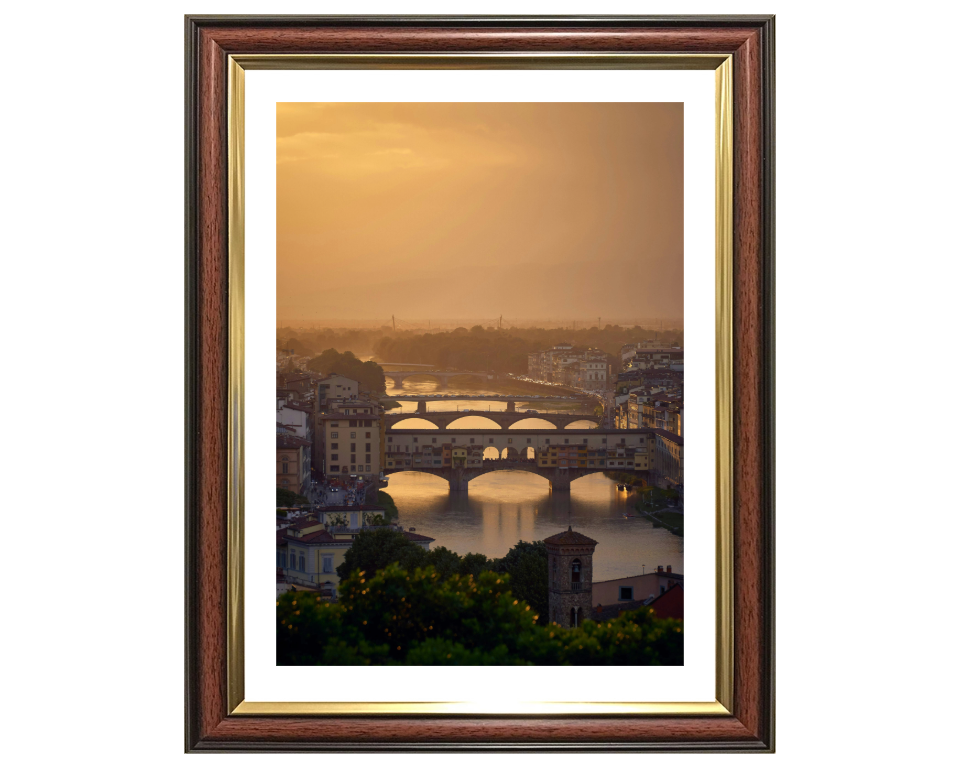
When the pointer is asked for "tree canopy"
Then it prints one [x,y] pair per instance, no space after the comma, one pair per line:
[419,617]
[525,563]
[368,374]
[287,498]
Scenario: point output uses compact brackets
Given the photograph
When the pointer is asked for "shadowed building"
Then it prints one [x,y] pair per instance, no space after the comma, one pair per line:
[570,580]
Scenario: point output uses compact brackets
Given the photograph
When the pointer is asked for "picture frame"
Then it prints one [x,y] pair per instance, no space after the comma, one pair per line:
[218,49]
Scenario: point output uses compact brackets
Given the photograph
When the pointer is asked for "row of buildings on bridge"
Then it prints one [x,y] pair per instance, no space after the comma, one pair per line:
[656,453]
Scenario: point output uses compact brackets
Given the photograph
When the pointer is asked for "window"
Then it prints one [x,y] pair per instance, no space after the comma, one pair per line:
[471,441]
[433,439]
[548,441]
[353,434]
[353,423]
[368,446]
[353,458]
[328,563]
[509,439]
[286,468]
[566,440]
[626,593]
[575,570]
[416,439]
[662,590]
[491,441]
[368,467]
[368,434]
[334,457]
[528,440]
[334,467]
[604,441]
[334,434]
[334,446]
[302,566]
[367,459]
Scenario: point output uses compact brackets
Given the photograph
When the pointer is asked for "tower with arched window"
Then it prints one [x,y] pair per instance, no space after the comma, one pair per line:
[570,577]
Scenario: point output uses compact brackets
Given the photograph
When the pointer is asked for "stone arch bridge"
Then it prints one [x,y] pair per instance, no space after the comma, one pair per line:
[508,441]
[505,419]
[442,376]
[460,477]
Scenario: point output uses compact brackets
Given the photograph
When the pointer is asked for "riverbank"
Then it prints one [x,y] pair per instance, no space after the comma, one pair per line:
[672,521]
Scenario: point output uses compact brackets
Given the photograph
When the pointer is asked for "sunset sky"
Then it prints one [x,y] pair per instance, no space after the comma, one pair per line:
[532,211]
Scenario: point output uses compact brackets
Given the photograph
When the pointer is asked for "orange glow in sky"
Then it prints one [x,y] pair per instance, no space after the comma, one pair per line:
[476,210]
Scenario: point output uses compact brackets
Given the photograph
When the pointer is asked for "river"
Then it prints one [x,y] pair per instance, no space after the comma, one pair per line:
[502,508]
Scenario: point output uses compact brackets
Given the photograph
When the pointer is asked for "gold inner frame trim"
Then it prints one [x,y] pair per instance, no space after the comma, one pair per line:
[722,65]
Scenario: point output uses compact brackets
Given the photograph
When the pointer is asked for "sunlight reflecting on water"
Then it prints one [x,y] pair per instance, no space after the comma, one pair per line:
[502,508]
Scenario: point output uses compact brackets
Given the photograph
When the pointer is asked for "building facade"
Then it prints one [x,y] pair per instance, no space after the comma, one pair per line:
[352,443]
[668,460]
[294,459]
[335,386]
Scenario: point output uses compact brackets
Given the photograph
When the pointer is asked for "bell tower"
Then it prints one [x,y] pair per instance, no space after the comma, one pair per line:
[570,577]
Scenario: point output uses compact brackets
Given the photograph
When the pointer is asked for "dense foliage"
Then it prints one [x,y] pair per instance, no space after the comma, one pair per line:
[369,374]
[418,617]
[311,342]
[654,502]
[386,501]
[505,351]
[525,563]
[287,498]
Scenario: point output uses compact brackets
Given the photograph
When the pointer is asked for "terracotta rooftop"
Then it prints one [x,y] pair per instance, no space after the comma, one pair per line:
[317,537]
[416,537]
[288,442]
[569,536]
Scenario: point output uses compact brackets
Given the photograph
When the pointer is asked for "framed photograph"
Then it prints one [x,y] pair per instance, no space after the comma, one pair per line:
[485,306]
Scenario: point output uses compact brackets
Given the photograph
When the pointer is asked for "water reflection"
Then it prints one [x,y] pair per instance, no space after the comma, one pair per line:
[502,508]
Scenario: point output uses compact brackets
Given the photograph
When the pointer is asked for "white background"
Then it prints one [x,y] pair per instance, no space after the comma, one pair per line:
[92,380]
[695,680]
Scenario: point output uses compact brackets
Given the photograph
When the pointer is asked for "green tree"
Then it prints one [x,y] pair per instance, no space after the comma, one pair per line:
[445,561]
[386,501]
[374,550]
[417,617]
[287,498]
[473,563]
[368,374]
[526,564]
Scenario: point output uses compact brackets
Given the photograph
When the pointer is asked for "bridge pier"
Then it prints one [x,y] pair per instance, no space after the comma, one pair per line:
[511,406]
[422,406]
[560,481]
[459,480]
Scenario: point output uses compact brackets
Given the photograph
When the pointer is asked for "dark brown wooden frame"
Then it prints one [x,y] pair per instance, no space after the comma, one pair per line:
[209,40]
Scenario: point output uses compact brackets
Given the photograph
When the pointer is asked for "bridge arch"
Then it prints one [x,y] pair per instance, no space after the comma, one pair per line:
[415,422]
[488,422]
[534,422]
[588,422]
